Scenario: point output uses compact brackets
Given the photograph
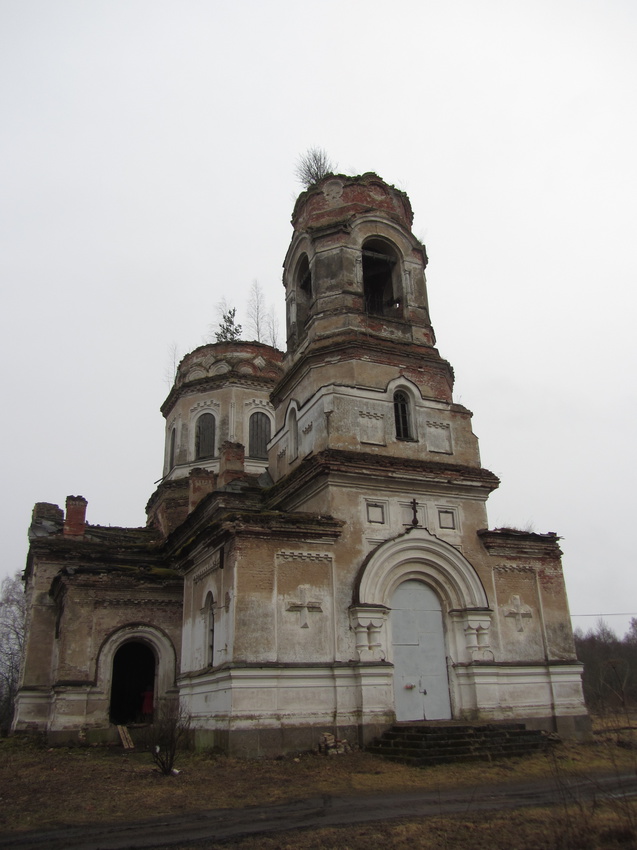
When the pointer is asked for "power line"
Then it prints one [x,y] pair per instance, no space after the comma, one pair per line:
[629,614]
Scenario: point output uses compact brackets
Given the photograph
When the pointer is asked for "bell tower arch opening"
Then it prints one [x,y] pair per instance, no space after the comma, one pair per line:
[303,294]
[171,453]
[134,667]
[381,279]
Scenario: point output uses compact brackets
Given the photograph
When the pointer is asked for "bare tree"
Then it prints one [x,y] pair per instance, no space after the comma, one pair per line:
[313,166]
[170,732]
[272,328]
[256,310]
[172,365]
[12,619]
[263,323]
[610,667]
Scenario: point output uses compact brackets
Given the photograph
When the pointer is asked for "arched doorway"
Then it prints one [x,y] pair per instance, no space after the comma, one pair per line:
[421,684]
[133,677]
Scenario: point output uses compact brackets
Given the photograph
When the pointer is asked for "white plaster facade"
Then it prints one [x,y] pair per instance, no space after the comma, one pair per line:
[289,567]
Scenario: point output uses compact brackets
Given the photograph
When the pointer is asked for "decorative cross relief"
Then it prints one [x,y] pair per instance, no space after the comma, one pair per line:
[305,608]
[519,611]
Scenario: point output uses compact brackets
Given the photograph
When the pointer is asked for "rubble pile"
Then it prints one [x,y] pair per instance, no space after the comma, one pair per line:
[329,745]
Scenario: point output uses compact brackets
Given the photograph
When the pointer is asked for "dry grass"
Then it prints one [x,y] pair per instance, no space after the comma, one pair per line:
[536,829]
[47,788]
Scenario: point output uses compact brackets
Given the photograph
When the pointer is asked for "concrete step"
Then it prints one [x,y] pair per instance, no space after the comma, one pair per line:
[422,745]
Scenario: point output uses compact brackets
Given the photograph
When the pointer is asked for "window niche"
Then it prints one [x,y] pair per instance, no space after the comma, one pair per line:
[293,435]
[171,451]
[403,416]
[376,513]
[438,437]
[303,294]
[259,435]
[447,519]
[209,621]
[381,280]
[205,436]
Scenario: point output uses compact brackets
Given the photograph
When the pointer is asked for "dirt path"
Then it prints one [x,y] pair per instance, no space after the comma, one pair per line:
[318,812]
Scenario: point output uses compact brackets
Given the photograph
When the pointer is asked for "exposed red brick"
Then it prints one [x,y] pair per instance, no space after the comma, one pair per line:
[231,463]
[75,519]
[201,482]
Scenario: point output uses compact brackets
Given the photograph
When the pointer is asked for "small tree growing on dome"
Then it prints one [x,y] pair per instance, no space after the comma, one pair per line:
[229,330]
[313,166]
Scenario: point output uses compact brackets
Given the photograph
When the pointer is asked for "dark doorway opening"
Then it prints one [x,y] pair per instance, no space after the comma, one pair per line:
[133,679]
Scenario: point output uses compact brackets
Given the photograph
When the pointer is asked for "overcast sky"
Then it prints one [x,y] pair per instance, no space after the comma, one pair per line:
[147,152]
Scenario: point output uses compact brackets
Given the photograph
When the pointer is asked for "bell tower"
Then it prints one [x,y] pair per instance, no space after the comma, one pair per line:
[362,373]
[354,265]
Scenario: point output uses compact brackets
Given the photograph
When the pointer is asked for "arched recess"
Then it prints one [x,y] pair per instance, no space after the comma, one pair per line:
[209,629]
[259,433]
[382,279]
[304,293]
[132,693]
[156,642]
[405,397]
[205,429]
[293,434]
[403,416]
[421,556]
[171,451]
[300,289]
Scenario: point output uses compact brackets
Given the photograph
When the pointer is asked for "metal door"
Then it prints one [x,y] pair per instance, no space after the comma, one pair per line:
[421,685]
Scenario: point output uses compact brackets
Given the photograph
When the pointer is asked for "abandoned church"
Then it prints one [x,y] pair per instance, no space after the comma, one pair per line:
[317,555]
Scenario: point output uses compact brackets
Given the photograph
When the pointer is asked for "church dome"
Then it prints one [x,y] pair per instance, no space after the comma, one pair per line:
[338,198]
[253,359]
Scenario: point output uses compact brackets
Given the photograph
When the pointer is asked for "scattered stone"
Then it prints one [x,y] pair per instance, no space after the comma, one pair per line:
[330,745]
[553,737]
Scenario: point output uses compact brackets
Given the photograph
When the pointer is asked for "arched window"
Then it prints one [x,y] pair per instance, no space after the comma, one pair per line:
[205,436]
[380,282]
[210,630]
[402,416]
[171,457]
[303,294]
[293,438]
[304,277]
[259,435]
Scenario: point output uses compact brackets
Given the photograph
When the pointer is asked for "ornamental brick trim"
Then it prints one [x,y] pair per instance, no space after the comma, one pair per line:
[128,603]
[203,572]
[204,405]
[304,556]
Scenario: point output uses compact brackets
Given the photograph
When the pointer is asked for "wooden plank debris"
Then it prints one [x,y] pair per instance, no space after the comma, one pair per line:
[125,738]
